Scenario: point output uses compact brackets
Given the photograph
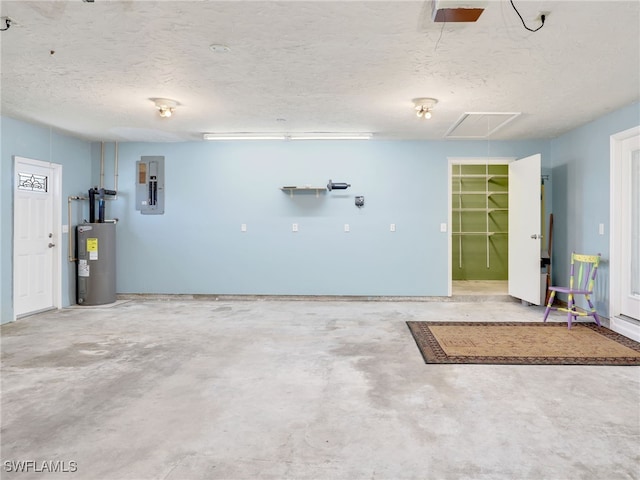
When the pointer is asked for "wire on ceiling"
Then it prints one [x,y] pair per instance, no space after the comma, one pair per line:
[542,18]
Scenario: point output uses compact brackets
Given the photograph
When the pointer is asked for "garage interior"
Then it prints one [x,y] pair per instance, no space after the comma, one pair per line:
[285,185]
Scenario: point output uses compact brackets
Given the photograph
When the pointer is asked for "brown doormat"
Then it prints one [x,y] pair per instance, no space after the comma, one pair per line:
[523,343]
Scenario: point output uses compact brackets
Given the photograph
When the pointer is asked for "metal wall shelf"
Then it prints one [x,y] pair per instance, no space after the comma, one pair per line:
[306,188]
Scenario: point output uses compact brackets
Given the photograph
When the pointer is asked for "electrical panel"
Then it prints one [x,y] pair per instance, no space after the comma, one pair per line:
[150,185]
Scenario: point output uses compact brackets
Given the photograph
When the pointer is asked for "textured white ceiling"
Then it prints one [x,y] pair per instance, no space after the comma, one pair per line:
[322,66]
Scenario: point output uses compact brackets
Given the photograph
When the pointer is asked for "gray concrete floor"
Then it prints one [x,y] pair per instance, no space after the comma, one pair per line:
[271,389]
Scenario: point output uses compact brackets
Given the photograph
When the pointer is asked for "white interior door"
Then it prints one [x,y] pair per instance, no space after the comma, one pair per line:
[630,228]
[33,266]
[524,229]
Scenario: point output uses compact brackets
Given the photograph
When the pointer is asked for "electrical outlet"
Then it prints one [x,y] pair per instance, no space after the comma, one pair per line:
[346,227]
[294,227]
[243,227]
[392,227]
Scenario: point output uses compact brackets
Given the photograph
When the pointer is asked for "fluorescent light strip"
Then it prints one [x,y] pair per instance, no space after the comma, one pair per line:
[330,136]
[242,136]
[294,136]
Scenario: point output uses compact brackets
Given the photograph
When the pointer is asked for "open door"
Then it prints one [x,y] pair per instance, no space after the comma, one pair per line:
[524,229]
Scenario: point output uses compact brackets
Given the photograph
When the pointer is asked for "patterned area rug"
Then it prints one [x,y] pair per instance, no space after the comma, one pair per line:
[523,343]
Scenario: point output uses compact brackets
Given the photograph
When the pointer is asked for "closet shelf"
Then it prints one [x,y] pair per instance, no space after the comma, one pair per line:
[487,234]
[489,177]
[488,210]
[489,193]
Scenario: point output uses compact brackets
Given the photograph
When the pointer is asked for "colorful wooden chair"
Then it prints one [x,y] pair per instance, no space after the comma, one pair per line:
[581,281]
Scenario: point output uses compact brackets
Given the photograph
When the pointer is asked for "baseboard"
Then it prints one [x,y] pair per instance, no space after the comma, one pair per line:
[628,327]
[252,297]
[319,298]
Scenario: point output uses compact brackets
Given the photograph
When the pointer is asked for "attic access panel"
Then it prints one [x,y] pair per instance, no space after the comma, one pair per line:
[480,124]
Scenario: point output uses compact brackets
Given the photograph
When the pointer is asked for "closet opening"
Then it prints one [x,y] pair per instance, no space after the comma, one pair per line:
[479,220]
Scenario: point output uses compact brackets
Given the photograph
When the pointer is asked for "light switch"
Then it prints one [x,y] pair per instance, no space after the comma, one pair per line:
[601,229]
[243,227]
[443,227]
[294,227]
[346,227]
[392,227]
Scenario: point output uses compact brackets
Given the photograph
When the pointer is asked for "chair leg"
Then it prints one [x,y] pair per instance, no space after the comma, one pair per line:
[551,297]
[570,313]
[593,310]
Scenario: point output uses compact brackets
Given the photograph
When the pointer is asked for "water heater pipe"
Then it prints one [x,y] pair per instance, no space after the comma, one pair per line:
[101,164]
[101,193]
[115,168]
[92,205]
[71,251]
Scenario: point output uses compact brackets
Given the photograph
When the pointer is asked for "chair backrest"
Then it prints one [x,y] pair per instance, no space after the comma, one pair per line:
[587,267]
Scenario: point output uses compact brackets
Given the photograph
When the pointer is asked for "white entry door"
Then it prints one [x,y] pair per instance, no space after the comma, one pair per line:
[524,229]
[34,242]
[630,228]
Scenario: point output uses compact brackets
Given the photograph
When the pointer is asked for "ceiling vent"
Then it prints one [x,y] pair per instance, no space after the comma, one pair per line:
[480,124]
[457,10]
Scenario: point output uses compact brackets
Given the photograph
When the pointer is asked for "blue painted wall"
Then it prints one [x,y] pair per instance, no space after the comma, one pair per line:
[580,167]
[212,188]
[39,143]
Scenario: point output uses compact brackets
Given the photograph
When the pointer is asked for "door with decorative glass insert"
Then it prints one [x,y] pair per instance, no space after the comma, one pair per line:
[34,244]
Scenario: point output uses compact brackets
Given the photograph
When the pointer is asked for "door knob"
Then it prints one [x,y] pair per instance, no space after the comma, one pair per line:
[51,245]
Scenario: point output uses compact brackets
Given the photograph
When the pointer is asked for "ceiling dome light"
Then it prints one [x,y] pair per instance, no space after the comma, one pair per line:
[424,106]
[165,106]
[219,48]
[165,111]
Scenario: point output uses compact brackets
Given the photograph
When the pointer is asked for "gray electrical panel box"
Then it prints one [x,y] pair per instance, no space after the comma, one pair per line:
[150,185]
[96,268]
